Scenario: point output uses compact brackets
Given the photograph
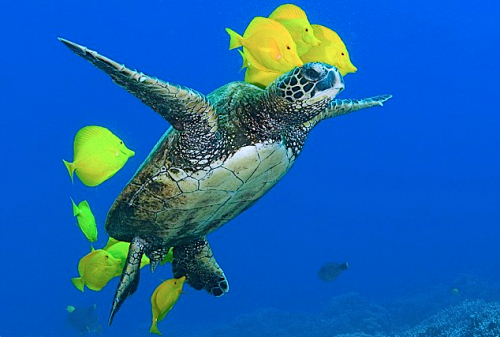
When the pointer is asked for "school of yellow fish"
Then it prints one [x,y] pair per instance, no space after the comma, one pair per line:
[270,47]
[99,155]
[275,45]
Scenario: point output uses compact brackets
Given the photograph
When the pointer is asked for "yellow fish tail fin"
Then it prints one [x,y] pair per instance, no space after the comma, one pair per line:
[236,39]
[154,327]
[76,210]
[70,167]
[288,12]
[78,283]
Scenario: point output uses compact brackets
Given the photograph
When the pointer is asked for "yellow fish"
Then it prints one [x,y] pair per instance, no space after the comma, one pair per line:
[266,45]
[331,51]
[119,250]
[96,269]
[260,78]
[163,299]
[99,154]
[86,220]
[295,21]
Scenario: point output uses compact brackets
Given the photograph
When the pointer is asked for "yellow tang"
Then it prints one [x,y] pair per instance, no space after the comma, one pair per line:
[163,299]
[96,269]
[267,45]
[99,154]
[86,220]
[119,250]
[331,51]
[259,77]
[295,21]
[257,74]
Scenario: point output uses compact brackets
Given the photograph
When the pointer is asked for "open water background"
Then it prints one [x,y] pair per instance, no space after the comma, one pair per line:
[408,194]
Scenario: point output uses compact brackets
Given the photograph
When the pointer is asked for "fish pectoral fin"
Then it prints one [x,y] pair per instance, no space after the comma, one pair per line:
[195,260]
[184,108]
[129,280]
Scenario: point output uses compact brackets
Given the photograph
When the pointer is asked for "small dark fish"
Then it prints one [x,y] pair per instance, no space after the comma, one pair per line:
[330,271]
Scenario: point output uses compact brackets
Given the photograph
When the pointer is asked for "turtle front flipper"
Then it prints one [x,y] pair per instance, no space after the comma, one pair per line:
[195,260]
[185,109]
[130,275]
[339,107]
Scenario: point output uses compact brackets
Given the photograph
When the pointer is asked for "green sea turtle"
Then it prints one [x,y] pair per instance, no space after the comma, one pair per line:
[221,154]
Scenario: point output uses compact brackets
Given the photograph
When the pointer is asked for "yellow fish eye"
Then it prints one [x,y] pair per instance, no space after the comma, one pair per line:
[307,30]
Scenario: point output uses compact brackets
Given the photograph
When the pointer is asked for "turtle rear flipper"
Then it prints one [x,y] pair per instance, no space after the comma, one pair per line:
[130,276]
[184,108]
[195,260]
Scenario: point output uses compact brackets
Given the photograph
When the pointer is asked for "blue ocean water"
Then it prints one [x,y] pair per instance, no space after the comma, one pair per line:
[408,194]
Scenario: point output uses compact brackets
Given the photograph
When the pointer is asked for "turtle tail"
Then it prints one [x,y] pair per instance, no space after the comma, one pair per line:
[130,276]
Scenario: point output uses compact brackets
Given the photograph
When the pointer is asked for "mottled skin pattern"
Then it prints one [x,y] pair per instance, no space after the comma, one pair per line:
[223,152]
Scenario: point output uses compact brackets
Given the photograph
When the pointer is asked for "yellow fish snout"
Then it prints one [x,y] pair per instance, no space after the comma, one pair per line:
[126,151]
[311,39]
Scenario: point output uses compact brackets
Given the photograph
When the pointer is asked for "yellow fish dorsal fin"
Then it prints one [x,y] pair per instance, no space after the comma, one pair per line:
[92,136]
[236,40]
[111,242]
[288,12]
[76,210]
[325,34]
[261,23]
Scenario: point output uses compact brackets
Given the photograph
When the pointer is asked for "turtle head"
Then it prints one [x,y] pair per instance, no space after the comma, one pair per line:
[306,91]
